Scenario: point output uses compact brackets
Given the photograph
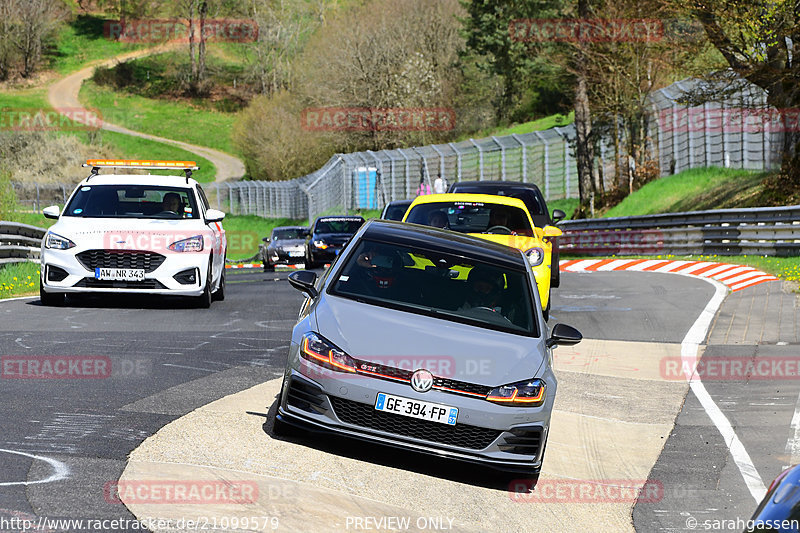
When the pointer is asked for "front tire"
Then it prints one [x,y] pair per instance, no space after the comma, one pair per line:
[219,294]
[51,299]
[204,300]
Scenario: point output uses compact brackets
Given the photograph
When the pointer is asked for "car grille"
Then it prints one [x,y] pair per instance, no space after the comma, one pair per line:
[92,283]
[444,384]
[148,261]
[524,441]
[460,435]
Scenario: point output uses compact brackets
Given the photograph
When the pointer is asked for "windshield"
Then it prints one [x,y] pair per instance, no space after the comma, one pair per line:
[395,212]
[338,225]
[472,217]
[532,201]
[132,201]
[438,284]
[286,234]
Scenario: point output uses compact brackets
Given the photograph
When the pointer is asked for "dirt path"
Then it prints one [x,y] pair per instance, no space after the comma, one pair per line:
[63,94]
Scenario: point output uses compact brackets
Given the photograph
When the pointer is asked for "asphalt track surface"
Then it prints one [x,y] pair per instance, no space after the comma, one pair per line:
[63,440]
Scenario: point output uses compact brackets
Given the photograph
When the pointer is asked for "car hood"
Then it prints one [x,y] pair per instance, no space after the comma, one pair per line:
[519,242]
[448,349]
[127,234]
[288,243]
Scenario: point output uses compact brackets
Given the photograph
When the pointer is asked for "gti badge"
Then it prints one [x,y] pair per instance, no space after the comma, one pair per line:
[421,381]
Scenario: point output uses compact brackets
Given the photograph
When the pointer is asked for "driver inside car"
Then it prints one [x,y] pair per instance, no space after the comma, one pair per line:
[484,289]
[171,202]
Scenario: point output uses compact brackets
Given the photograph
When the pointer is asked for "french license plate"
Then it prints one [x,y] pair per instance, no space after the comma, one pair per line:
[299,253]
[119,274]
[416,409]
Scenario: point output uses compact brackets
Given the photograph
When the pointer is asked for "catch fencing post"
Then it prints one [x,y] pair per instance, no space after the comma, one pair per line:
[502,159]
[524,157]
[480,159]
[458,161]
[441,161]
[546,164]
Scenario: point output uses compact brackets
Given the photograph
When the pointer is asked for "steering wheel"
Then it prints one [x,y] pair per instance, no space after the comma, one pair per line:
[505,230]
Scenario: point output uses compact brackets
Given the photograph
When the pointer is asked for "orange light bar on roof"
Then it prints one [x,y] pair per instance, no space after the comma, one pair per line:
[137,163]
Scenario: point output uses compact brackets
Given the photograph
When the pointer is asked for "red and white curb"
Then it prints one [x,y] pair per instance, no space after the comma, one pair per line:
[735,277]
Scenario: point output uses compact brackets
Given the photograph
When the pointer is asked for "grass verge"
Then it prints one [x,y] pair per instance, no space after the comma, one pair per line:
[171,120]
[19,279]
[694,190]
[82,41]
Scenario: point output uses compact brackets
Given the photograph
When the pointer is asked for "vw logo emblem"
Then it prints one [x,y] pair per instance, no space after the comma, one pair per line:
[421,381]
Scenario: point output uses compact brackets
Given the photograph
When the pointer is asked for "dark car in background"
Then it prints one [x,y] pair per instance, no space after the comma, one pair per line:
[327,237]
[285,245]
[534,201]
[395,210]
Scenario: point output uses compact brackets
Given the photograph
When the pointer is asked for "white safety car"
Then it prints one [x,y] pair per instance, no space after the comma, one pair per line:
[142,234]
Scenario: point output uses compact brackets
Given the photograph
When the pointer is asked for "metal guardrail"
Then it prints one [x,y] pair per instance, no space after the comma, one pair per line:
[20,242]
[773,231]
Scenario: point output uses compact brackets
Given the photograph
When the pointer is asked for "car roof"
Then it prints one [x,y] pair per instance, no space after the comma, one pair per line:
[341,217]
[497,184]
[400,202]
[440,240]
[470,197]
[289,227]
[138,179]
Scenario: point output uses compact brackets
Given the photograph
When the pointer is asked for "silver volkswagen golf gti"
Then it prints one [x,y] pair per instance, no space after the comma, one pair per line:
[428,340]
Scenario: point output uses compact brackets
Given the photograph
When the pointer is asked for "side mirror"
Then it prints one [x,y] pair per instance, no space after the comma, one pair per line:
[303,281]
[552,231]
[51,212]
[564,335]
[212,215]
[558,216]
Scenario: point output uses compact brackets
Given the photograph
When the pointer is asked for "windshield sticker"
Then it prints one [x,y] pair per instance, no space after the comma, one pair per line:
[77,211]
[344,278]
[84,189]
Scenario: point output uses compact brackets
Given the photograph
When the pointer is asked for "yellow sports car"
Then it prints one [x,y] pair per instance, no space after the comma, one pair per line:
[498,219]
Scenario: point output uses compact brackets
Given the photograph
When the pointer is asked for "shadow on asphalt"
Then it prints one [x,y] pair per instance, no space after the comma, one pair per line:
[391,457]
[124,301]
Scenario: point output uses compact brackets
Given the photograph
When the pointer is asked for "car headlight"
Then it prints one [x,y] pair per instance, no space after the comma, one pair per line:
[535,256]
[57,242]
[320,244]
[192,244]
[316,349]
[528,393]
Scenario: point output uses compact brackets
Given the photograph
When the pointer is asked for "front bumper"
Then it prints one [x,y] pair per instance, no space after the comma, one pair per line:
[501,437]
[161,280]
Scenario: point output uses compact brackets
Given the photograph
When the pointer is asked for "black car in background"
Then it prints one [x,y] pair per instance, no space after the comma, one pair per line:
[327,237]
[395,210]
[285,245]
[534,201]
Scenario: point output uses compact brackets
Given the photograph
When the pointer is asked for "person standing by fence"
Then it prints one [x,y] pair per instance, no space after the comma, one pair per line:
[439,184]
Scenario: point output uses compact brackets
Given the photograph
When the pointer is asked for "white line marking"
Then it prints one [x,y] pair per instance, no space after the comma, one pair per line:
[672,266]
[732,272]
[793,444]
[743,276]
[689,347]
[60,470]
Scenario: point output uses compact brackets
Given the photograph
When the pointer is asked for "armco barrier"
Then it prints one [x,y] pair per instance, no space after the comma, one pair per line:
[771,231]
[19,242]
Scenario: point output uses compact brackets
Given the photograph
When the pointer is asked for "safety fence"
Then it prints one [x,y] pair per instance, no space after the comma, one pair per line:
[19,242]
[772,231]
